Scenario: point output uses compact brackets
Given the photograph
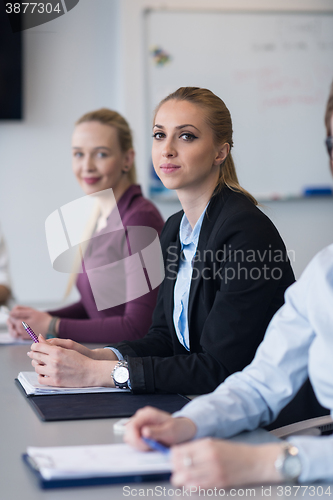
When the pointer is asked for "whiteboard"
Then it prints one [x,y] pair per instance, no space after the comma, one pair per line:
[273,71]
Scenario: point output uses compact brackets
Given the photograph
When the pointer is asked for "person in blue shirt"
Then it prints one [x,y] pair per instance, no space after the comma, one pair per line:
[298,343]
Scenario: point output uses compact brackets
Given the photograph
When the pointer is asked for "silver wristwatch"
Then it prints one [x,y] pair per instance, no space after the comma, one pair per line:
[120,375]
[288,463]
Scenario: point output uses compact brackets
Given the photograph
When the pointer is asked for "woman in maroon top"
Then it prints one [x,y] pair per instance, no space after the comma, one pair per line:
[103,158]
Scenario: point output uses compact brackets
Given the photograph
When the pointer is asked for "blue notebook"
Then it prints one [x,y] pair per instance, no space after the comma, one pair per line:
[69,466]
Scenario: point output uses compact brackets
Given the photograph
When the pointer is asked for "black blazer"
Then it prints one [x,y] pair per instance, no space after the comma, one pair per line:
[240,274]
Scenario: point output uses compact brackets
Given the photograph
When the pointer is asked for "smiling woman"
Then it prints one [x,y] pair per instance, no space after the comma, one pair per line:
[103,158]
[100,159]
[212,310]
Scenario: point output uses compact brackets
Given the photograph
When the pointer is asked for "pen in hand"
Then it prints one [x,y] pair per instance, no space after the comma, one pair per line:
[155,445]
[30,332]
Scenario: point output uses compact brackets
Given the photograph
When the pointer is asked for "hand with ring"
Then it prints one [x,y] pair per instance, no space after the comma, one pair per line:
[211,463]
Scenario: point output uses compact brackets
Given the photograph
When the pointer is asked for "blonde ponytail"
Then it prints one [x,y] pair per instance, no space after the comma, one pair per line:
[228,177]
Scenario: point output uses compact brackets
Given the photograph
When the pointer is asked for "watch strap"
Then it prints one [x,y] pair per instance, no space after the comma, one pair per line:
[51,332]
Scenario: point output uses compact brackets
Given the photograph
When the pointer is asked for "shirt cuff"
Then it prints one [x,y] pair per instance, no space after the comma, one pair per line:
[316,455]
[117,353]
[200,420]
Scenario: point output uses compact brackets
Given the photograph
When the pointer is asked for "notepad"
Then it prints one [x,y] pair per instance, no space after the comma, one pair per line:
[5,336]
[31,386]
[58,465]
[4,313]
[7,339]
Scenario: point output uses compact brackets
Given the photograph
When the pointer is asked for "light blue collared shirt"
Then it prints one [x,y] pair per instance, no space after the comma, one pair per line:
[189,241]
[298,343]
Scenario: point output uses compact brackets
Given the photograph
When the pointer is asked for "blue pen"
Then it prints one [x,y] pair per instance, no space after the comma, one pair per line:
[154,445]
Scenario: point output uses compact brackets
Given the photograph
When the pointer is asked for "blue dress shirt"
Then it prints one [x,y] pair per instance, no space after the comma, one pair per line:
[298,343]
[189,241]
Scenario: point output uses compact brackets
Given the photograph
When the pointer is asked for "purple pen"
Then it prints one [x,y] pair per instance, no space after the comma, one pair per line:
[30,332]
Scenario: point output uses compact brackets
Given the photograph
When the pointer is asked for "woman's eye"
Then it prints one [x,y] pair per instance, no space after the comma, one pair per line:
[158,135]
[101,155]
[188,137]
[77,154]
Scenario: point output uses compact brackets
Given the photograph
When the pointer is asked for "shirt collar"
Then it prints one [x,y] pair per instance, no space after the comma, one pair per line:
[186,234]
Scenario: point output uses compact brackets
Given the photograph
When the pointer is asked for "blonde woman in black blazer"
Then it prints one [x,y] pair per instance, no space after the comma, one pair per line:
[228,312]
[240,269]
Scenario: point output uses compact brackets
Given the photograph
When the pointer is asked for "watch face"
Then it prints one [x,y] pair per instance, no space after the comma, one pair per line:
[121,375]
[292,466]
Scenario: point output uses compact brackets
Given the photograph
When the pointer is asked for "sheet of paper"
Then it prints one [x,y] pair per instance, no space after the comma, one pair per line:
[97,460]
[3,318]
[7,339]
[29,382]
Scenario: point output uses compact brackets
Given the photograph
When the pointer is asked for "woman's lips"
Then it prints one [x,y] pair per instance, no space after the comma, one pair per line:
[169,168]
[91,180]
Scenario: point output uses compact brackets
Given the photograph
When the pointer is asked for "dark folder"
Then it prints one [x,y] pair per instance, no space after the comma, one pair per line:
[100,405]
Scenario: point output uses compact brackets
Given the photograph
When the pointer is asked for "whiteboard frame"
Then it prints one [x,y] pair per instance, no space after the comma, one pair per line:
[132,61]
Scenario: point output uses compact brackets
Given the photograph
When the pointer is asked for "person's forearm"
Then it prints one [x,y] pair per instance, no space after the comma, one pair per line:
[263,468]
[101,374]
[133,324]
[103,354]
[73,311]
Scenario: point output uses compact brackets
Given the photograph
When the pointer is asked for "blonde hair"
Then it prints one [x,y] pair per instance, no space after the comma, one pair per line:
[109,117]
[219,119]
[329,112]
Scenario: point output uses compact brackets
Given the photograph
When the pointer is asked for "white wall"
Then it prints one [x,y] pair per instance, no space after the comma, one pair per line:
[70,68]
[92,57]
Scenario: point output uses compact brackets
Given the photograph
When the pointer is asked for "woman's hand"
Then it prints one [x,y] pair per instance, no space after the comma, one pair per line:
[210,463]
[106,354]
[72,345]
[57,364]
[157,425]
[12,328]
[39,321]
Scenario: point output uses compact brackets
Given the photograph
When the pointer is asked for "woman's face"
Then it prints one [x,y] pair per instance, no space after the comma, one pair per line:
[184,154]
[98,161]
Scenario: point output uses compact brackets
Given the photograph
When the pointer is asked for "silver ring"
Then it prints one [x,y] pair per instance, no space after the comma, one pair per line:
[187,461]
